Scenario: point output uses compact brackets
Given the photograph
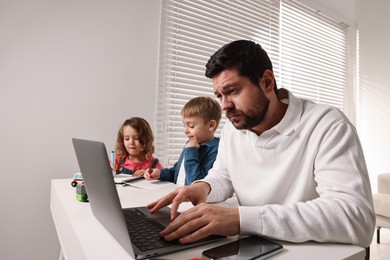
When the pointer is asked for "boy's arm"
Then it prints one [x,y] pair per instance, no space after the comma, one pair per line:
[169,174]
[198,162]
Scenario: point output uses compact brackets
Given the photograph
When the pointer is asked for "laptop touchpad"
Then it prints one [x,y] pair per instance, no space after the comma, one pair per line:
[163,216]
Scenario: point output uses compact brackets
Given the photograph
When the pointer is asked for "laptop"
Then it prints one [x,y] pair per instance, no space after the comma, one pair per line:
[103,197]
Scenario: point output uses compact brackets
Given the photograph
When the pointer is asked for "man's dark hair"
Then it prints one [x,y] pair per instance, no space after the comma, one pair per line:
[249,58]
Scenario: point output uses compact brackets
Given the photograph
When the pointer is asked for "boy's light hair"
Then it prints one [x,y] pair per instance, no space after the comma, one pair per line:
[203,107]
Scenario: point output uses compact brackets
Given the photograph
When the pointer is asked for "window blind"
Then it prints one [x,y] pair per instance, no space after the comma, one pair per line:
[293,36]
[313,55]
[191,31]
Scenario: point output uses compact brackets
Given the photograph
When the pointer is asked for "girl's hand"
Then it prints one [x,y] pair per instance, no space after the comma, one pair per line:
[113,166]
[139,173]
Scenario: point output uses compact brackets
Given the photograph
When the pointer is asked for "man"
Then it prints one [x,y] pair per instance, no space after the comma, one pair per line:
[297,167]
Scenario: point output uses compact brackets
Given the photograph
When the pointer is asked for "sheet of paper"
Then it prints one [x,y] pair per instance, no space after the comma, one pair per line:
[149,185]
[123,178]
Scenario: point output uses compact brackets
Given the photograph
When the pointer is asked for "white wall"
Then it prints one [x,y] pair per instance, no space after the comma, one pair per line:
[75,68]
[374,95]
[340,10]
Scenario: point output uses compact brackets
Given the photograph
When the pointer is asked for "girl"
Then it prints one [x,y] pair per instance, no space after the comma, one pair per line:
[134,148]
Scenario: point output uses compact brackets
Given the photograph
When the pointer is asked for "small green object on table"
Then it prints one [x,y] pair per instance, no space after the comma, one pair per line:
[81,193]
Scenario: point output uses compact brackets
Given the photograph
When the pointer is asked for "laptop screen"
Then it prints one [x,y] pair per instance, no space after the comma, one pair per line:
[94,165]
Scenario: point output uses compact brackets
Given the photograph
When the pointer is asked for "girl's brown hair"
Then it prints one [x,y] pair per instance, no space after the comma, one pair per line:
[145,135]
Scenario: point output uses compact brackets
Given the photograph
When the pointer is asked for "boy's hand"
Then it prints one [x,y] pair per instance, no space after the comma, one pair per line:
[192,143]
[152,174]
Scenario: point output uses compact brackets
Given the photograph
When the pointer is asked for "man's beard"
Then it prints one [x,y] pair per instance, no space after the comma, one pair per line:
[253,117]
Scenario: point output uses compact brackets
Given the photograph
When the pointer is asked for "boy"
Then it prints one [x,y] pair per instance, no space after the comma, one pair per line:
[201,116]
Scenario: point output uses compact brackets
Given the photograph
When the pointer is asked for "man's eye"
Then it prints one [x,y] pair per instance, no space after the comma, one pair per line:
[231,91]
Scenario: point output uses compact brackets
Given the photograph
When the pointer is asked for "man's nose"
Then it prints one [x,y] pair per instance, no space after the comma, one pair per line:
[226,103]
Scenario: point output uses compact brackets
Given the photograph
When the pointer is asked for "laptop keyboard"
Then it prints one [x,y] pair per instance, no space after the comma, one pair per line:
[144,231]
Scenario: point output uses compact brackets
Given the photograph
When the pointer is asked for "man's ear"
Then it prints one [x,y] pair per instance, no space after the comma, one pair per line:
[212,125]
[267,81]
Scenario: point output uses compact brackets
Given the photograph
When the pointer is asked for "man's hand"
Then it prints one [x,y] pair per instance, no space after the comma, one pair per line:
[201,221]
[196,193]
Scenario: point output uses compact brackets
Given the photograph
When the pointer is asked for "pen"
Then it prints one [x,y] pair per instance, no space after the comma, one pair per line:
[113,162]
[150,172]
[113,157]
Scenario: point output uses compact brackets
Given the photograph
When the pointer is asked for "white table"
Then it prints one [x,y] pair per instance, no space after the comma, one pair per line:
[81,236]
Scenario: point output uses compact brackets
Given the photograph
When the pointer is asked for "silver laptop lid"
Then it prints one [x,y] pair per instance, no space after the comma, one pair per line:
[102,194]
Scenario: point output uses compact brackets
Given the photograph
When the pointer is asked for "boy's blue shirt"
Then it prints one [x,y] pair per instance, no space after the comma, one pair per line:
[198,162]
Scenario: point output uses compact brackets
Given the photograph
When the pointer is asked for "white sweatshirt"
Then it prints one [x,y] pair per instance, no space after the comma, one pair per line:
[304,179]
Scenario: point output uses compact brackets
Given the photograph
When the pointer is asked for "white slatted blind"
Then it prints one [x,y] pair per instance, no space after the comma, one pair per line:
[192,30]
[313,55]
